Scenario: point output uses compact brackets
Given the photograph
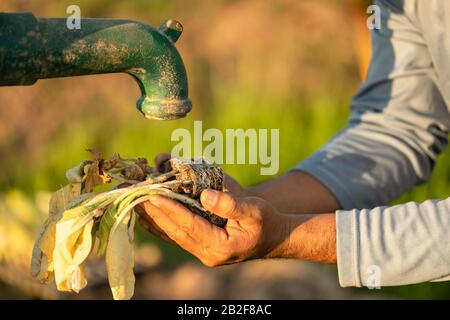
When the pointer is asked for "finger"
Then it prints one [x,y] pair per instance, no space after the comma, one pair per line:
[148,223]
[155,230]
[223,204]
[197,227]
[143,216]
[140,210]
[172,230]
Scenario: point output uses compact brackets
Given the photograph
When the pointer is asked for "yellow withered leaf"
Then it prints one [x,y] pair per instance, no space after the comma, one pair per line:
[76,174]
[42,261]
[120,260]
[61,199]
[73,243]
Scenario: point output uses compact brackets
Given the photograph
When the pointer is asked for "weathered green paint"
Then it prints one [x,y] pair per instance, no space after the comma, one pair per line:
[32,49]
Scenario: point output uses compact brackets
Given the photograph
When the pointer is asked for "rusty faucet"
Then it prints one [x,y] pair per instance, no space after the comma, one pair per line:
[32,49]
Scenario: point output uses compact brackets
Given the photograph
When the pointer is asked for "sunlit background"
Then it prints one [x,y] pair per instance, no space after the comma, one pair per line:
[286,64]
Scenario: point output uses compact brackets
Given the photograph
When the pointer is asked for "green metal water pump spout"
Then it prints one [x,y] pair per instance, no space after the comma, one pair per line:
[32,49]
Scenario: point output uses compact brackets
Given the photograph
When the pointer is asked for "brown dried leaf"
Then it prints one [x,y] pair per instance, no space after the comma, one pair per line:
[76,174]
[143,164]
[95,153]
[111,162]
[93,176]
[134,172]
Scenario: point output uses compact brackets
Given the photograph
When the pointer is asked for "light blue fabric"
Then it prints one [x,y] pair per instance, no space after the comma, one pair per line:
[408,243]
[399,125]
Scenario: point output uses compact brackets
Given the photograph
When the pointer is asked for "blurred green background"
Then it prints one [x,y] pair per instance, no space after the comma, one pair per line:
[286,64]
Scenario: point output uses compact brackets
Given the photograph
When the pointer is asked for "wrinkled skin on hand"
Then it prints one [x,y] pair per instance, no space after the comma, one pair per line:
[254,228]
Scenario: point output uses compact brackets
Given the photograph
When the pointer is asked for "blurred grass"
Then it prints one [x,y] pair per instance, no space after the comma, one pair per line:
[236,80]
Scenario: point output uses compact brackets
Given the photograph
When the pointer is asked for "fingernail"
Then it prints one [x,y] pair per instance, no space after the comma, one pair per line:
[209,197]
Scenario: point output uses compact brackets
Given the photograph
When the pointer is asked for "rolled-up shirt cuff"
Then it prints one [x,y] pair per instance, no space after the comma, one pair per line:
[347,248]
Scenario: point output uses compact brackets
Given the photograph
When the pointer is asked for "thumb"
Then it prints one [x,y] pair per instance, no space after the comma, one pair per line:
[220,203]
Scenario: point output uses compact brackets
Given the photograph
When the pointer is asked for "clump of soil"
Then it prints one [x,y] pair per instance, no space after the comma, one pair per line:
[194,177]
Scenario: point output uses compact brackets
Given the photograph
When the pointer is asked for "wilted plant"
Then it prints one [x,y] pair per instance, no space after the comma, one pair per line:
[82,221]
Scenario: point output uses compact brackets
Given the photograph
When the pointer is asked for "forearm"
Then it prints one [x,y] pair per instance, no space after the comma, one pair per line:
[308,237]
[309,227]
[297,193]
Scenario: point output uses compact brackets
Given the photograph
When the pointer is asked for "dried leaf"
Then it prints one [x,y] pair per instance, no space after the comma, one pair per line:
[95,153]
[143,164]
[134,172]
[120,261]
[73,243]
[62,198]
[111,162]
[42,260]
[76,174]
[93,177]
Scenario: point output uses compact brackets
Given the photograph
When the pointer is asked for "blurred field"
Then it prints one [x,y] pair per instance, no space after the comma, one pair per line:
[287,64]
